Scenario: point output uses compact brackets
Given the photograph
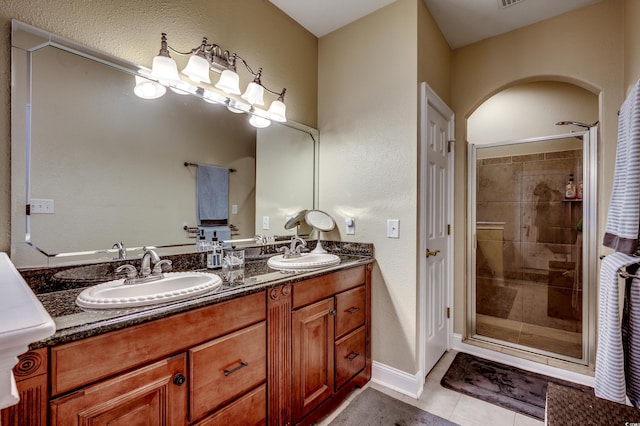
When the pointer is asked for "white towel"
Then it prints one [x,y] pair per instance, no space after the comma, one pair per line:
[610,377]
[623,221]
[631,337]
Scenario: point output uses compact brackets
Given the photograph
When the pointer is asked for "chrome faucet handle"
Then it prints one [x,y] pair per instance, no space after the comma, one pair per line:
[131,271]
[158,270]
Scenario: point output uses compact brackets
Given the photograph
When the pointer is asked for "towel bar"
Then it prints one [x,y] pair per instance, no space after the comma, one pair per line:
[187,164]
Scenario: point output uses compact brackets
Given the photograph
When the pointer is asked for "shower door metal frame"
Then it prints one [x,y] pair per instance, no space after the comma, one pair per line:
[589,247]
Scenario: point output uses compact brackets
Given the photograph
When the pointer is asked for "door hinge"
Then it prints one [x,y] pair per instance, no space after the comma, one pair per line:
[449,143]
[28,209]
[448,229]
[448,312]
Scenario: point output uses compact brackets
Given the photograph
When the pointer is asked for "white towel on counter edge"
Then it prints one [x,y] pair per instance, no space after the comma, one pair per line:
[623,219]
[610,378]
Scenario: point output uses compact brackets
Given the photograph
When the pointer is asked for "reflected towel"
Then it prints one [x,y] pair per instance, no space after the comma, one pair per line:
[631,336]
[623,221]
[212,191]
[610,377]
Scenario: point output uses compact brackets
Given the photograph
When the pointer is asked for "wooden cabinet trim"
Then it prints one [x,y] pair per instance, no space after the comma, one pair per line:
[118,351]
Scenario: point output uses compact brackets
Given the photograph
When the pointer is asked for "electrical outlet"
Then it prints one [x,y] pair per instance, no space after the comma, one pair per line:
[265,222]
[41,205]
[350,226]
[393,228]
[234,209]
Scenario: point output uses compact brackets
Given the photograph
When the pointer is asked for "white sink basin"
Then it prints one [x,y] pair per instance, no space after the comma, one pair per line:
[306,262]
[174,286]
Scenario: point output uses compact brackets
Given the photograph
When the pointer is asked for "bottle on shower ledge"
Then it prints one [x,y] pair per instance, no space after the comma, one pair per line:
[570,188]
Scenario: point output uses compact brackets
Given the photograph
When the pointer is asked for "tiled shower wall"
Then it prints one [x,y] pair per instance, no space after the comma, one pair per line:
[526,194]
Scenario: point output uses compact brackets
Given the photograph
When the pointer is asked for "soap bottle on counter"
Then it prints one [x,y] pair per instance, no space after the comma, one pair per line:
[201,242]
[214,253]
[570,188]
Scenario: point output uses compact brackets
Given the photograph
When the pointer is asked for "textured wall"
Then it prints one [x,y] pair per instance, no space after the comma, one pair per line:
[368,166]
[584,47]
[131,29]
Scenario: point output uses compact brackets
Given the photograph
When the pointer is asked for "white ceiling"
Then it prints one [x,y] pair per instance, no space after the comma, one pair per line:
[461,21]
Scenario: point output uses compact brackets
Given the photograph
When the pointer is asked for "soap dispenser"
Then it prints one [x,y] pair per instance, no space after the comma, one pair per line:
[201,242]
[214,253]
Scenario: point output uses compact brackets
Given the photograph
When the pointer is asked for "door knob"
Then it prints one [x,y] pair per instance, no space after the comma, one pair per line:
[432,253]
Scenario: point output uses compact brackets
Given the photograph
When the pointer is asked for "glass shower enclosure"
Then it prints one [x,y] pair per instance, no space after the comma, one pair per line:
[531,244]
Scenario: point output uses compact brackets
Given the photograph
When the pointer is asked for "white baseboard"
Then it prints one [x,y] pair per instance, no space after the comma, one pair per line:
[398,380]
[524,364]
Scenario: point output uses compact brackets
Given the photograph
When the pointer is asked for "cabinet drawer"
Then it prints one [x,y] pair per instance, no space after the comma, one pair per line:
[350,310]
[227,367]
[250,409]
[84,361]
[350,356]
[315,289]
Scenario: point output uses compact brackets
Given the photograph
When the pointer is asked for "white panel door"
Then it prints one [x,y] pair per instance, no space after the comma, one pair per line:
[436,236]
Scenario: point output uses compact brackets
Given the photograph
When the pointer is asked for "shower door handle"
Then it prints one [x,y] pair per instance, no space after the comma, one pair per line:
[432,253]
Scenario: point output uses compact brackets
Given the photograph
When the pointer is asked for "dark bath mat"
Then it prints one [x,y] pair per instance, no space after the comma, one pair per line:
[372,407]
[495,301]
[503,385]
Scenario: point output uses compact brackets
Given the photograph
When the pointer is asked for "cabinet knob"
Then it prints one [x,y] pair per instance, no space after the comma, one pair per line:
[179,379]
[333,312]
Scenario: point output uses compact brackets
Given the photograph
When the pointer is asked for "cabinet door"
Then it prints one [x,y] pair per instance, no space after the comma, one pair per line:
[151,395]
[313,374]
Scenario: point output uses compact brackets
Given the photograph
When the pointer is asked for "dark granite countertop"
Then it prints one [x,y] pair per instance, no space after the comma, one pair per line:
[73,322]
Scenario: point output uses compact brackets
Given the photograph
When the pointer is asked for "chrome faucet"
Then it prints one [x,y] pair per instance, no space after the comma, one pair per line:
[122,252]
[294,250]
[148,257]
[146,274]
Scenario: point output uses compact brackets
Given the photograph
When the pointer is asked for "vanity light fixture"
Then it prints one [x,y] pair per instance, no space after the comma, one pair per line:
[203,59]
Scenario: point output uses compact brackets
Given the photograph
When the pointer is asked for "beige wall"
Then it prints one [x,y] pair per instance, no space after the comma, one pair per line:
[631,43]
[531,110]
[584,47]
[131,30]
[434,55]
[368,168]
[369,73]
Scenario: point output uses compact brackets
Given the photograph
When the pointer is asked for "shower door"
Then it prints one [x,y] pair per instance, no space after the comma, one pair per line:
[531,244]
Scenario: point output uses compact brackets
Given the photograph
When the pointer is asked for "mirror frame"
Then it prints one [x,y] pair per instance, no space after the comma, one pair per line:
[20,147]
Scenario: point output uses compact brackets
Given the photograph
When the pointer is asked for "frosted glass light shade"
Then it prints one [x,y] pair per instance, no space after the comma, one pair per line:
[259,122]
[254,94]
[164,69]
[147,89]
[197,69]
[277,111]
[229,82]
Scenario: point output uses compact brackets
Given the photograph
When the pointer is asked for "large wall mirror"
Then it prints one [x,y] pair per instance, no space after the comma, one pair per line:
[104,165]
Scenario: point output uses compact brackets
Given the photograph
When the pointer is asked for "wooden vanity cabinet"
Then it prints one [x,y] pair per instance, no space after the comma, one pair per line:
[330,341]
[286,356]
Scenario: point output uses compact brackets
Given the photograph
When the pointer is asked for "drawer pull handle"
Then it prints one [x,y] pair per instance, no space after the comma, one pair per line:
[179,379]
[352,356]
[333,312]
[353,310]
[233,370]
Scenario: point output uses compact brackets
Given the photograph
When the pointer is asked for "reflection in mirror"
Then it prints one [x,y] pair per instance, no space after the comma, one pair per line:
[113,164]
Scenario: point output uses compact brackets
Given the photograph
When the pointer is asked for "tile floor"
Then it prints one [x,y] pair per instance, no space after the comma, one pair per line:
[456,407]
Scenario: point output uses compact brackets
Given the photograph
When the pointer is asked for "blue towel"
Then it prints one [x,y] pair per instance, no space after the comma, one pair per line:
[212,192]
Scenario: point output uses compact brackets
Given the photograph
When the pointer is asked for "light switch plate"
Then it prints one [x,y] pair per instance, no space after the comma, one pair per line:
[41,205]
[393,228]
[265,222]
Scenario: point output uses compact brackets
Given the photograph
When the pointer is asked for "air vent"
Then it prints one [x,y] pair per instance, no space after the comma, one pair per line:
[507,3]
